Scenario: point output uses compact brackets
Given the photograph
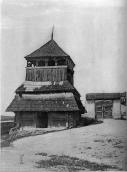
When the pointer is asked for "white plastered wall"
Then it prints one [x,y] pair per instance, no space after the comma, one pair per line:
[90,107]
[123,109]
[116,109]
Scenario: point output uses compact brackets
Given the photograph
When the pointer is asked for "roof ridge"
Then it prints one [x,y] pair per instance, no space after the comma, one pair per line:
[50,48]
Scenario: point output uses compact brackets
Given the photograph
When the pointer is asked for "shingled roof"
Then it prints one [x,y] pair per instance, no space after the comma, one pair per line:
[46,87]
[104,96]
[50,49]
[48,102]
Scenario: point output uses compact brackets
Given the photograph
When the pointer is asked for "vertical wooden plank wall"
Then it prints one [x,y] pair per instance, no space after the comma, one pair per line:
[26,119]
[57,119]
[46,74]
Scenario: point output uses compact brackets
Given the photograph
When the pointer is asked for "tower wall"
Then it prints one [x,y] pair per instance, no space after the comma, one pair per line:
[46,74]
[49,73]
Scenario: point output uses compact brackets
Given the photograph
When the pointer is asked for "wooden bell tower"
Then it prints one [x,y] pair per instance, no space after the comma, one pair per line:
[47,97]
[49,63]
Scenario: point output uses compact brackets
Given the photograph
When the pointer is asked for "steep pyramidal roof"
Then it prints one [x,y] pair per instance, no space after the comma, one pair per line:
[51,48]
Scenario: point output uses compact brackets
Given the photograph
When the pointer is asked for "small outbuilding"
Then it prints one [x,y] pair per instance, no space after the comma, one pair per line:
[106,105]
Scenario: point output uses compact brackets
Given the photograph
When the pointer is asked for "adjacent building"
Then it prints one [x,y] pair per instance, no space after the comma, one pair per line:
[47,97]
[106,105]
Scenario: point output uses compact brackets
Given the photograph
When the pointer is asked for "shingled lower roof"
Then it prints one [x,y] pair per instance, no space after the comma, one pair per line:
[47,103]
[50,49]
[45,87]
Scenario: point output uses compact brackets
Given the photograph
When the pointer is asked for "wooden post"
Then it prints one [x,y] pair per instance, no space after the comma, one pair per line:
[56,62]
[70,121]
[35,119]
[126,102]
[102,111]
[95,109]
[46,62]
[36,63]
[120,111]
[67,121]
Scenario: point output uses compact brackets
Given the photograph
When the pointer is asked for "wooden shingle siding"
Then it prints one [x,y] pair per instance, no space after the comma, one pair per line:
[53,87]
[44,104]
[50,49]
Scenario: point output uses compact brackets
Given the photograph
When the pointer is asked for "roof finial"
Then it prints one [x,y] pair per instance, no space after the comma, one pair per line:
[52,32]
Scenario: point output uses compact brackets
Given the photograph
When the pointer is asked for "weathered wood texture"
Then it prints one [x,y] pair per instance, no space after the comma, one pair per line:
[73,119]
[41,119]
[65,119]
[58,119]
[102,96]
[103,108]
[50,119]
[46,74]
[26,119]
[45,103]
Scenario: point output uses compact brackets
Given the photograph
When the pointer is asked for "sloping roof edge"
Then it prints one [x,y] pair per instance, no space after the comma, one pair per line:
[67,103]
[43,51]
[99,96]
[49,88]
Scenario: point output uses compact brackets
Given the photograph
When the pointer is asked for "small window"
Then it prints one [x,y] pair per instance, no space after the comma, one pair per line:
[61,62]
[41,63]
[51,63]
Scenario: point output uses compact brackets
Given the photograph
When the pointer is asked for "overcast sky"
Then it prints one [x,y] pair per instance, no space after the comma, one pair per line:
[92,32]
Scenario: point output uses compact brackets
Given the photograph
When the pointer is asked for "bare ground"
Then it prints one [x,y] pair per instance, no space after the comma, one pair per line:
[96,147]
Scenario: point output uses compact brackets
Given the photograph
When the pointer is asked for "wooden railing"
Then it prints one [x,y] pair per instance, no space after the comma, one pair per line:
[54,73]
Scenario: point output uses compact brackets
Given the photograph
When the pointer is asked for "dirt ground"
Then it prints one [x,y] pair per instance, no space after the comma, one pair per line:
[95,147]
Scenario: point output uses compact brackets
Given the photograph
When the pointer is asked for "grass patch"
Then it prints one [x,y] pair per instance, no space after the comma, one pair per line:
[5,143]
[99,140]
[88,148]
[119,146]
[71,164]
[42,154]
[24,133]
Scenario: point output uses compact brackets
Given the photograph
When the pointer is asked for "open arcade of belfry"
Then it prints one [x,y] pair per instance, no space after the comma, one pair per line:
[48,98]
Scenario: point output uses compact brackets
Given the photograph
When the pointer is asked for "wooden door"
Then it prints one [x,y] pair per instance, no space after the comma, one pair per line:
[107,109]
[103,109]
[99,109]
[42,118]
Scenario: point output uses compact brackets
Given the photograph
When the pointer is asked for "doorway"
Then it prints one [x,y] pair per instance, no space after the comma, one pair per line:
[103,108]
[42,118]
